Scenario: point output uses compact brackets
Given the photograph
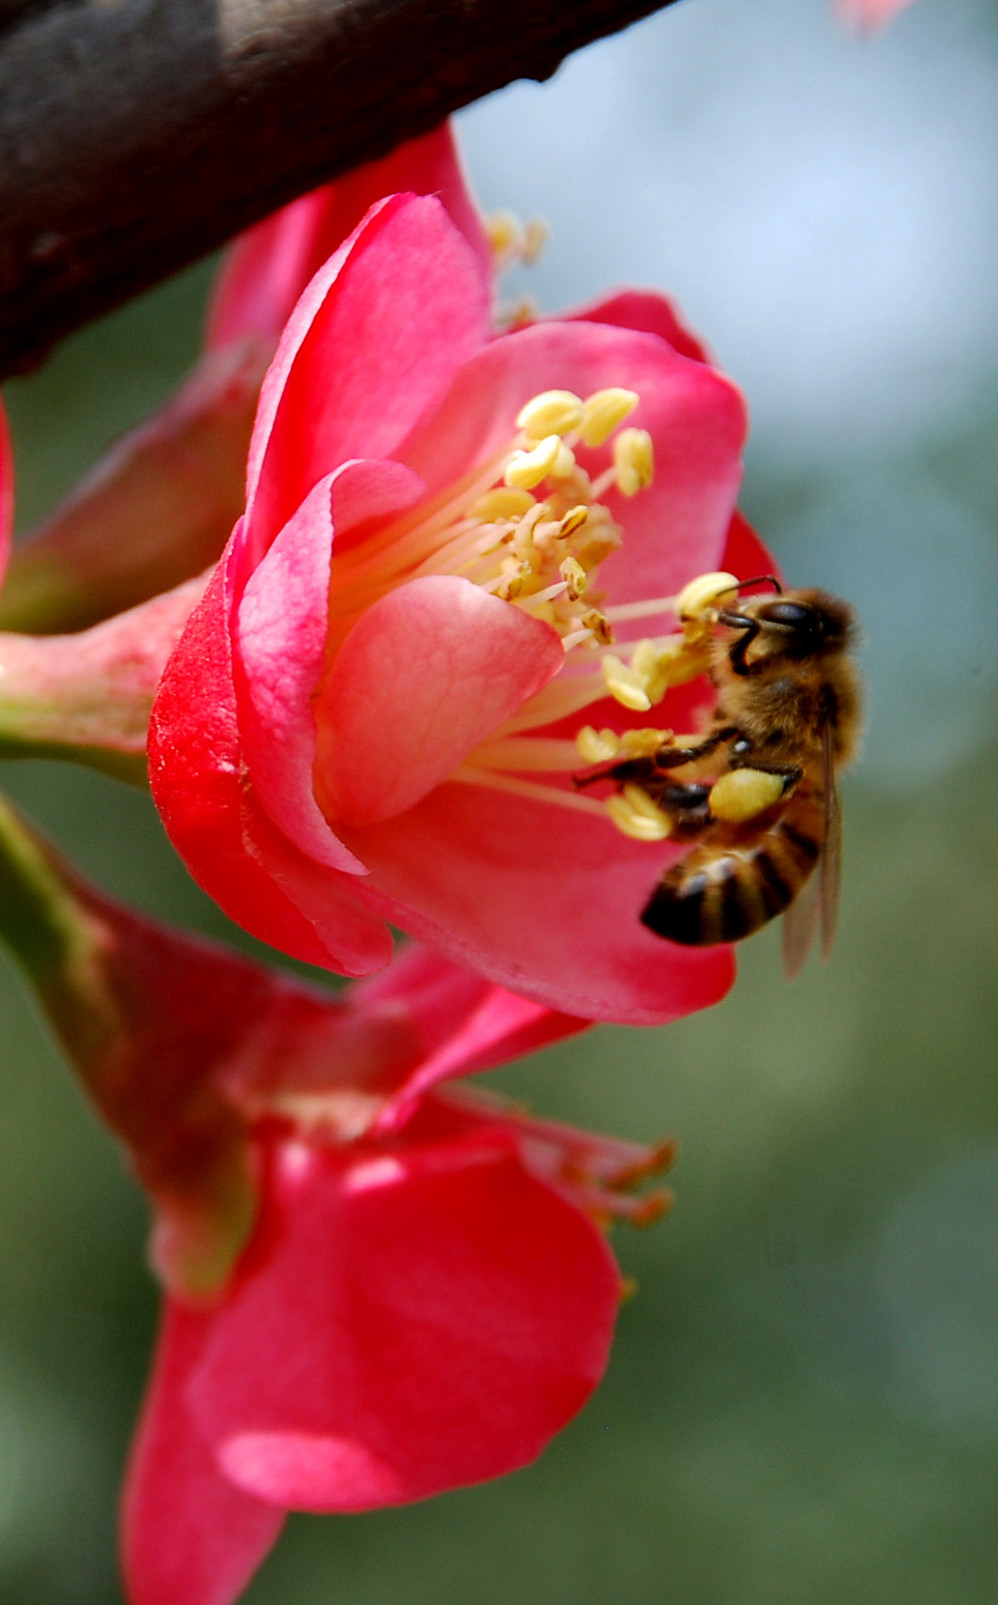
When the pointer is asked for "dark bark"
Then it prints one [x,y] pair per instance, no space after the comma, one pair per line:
[136,135]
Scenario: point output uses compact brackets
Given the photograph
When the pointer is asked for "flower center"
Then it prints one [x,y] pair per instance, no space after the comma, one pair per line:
[530,527]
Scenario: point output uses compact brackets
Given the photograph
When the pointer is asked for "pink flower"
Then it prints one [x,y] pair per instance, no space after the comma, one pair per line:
[426,1299]
[413,1315]
[373,715]
[376,1289]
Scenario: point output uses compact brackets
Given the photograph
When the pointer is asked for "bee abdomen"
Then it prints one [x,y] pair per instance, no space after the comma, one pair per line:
[720,894]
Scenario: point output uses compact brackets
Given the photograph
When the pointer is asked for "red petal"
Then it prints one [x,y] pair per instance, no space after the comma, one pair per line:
[648,311]
[377,336]
[425,674]
[541,900]
[466,1025]
[189,1535]
[213,819]
[419,1319]
[282,622]
[268,268]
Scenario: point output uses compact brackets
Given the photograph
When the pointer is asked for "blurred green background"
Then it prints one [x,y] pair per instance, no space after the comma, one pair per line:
[802,1406]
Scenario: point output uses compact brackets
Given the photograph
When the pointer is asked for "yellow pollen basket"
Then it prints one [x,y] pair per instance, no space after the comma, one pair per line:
[742,794]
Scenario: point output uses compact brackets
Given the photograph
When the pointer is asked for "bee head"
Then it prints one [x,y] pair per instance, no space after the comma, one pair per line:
[794,624]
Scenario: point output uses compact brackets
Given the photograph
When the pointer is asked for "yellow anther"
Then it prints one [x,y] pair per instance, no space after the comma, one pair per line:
[624,686]
[706,592]
[741,794]
[643,743]
[523,541]
[503,502]
[650,667]
[527,468]
[553,412]
[505,233]
[574,576]
[600,625]
[573,520]
[536,233]
[597,539]
[597,746]
[634,458]
[638,815]
[605,411]
[514,578]
[518,314]
[563,466]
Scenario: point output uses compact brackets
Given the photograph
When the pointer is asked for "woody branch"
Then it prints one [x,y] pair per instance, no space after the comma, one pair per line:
[136,135]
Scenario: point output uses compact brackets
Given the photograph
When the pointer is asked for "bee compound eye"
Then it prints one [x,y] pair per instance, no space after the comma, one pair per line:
[792,614]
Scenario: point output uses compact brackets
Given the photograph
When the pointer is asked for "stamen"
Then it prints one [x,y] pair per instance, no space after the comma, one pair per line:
[602,746]
[563,466]
[536,233]
[553,412]
[575,577]
[526,469]
[625,611]
[605,410]
[634,458]
[559,699]
[504,232]
[704,593]
[596,621]
[597,746]
[495,781]
[537,598]
[503,502]
[573,520]
[544,754]
[638,815]
[624,686]
[610,1206]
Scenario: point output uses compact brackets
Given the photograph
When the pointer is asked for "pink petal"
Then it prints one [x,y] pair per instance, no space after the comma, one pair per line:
[424,675]
[674,530]
[541,900]
[6,493]
[376,337]
[189,1535]
[196,772]
[418,1319]
[282,621]
[466,1025]
[268,268]
[648,311]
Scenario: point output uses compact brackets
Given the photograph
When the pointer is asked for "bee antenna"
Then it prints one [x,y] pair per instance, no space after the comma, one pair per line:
[762,579]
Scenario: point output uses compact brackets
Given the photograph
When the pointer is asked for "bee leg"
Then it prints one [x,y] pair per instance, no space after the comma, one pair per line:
[750,629]
[687,805]
[677,757]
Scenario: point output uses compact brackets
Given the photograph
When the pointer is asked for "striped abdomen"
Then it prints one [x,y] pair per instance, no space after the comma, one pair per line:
[726,889]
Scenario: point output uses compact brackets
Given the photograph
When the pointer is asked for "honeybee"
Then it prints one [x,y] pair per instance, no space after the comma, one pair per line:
[766,827]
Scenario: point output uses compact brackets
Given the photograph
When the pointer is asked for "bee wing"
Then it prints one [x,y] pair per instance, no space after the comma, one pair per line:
[818,903]
[800,925]
[830,866]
